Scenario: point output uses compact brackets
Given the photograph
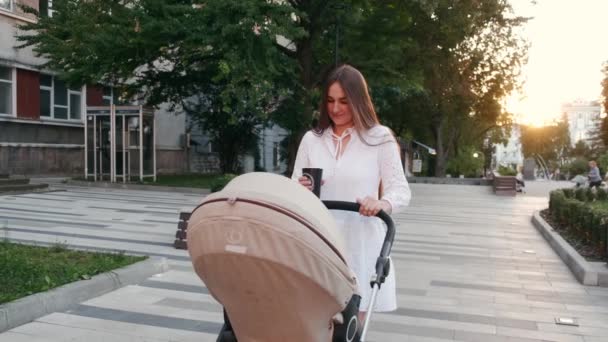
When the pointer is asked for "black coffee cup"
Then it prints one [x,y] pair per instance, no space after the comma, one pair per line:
[315,175]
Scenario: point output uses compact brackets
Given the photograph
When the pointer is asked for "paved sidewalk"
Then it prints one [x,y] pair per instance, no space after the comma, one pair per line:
[471,267]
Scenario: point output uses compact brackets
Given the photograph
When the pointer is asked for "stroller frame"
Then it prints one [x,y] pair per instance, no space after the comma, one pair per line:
[342,332]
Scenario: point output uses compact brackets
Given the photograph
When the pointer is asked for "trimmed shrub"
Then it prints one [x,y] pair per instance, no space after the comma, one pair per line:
[569,192]
[580,194]
[590,195]
[589,224]
[506,171]
[221,182]
[601,194]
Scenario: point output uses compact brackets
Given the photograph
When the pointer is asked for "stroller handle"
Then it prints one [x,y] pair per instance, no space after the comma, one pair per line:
[382,264]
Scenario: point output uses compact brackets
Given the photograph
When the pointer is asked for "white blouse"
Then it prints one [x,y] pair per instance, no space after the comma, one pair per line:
[365,161]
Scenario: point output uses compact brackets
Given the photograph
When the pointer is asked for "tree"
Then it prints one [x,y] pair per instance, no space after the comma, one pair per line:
[604,122]
[552,143]
[171,51]
[371,36]
[470,56]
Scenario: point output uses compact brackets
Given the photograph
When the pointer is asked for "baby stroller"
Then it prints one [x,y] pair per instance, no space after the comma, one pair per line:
[267,250]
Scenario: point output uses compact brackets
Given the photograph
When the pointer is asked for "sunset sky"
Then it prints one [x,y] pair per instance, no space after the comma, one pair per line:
[569,44]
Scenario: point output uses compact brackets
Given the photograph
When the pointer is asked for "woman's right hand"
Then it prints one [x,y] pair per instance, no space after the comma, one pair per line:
[307,183]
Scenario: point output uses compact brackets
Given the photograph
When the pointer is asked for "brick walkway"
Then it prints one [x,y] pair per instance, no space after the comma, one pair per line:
[470,265]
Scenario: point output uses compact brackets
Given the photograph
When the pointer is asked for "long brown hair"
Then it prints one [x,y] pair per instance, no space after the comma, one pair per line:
[355,87]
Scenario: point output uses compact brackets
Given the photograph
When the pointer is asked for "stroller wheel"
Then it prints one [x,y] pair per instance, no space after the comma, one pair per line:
[226,334]
[349,330]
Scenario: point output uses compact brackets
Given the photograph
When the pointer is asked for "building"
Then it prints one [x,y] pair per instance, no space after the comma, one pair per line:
[42,119]
[583,117]
[511,154]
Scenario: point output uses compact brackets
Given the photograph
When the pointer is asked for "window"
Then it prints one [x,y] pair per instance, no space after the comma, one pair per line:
[43,8]
[275,155]
[107,96]
[6,90]
[57,101]
[6,5]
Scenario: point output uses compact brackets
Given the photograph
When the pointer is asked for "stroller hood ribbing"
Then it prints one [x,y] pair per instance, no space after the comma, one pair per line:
[268,251]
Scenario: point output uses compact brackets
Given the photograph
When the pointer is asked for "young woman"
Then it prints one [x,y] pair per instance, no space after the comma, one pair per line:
[360,161]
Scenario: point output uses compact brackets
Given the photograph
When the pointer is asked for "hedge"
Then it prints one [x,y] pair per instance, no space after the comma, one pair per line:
[580,219]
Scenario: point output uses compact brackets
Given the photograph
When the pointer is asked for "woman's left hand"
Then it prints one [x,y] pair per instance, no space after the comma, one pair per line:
[370,206]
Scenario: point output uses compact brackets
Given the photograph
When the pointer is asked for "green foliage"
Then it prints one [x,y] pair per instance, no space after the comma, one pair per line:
[466,164]
[506,171]
[568,192]
[25,270]
[580,150]
[578,166]
[589,194]
[174,51]
[193,180]
[438,70]
[219,183]
[469,55]
[581,194]
[601,194]
[585,222]
[552,143]
[604,123]
[602,162]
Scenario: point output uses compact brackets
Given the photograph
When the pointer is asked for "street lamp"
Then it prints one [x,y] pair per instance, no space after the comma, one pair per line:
[338,7]
[428,148]
[475,155]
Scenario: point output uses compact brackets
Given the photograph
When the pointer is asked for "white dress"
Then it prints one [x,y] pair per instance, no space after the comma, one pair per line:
[367,159]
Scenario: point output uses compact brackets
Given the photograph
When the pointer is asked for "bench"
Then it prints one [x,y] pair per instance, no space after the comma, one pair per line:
[504,185]
[182,227]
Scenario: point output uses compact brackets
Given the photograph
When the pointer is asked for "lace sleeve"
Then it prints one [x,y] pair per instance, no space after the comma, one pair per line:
[302,158]
[396,190]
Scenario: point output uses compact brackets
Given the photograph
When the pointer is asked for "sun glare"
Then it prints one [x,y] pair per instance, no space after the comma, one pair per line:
[565,57]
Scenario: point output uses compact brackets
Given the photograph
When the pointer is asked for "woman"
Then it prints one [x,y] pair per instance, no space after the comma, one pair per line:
[360,162]
[595,179]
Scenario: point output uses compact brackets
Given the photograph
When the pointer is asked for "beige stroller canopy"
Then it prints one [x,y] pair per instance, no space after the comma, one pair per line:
[267,249]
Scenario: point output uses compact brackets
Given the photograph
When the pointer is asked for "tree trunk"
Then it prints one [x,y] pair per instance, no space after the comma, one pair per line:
[441,158]
[304,57]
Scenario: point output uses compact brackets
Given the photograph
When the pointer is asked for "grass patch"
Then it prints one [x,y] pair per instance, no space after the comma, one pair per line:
[25,270]
[187,180]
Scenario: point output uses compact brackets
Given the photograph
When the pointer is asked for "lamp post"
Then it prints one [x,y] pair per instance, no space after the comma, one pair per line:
[338,7]
[428,148]
[406,163]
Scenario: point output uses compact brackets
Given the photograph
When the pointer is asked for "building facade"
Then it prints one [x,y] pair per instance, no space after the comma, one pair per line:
[583,118]
[42,119]
[509,155]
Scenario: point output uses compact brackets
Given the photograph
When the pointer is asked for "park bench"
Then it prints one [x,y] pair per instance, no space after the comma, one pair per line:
[182,227]
[504,185]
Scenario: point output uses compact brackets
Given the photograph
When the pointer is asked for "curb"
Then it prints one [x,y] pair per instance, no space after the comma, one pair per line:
[62,298]
[584,272]
[128,186]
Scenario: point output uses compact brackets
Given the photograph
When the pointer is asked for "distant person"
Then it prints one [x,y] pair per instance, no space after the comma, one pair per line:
[556,174]
[595,179]
[519,178]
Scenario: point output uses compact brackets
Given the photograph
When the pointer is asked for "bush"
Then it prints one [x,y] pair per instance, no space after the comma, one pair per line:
[221,182]
[568,192]
[587,223]
[578,166]
[581,194]
[506,171]
[464,163]
[590,194]
[601,194]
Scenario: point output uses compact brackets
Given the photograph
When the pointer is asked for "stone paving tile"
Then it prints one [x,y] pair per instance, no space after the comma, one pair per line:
[462,272]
